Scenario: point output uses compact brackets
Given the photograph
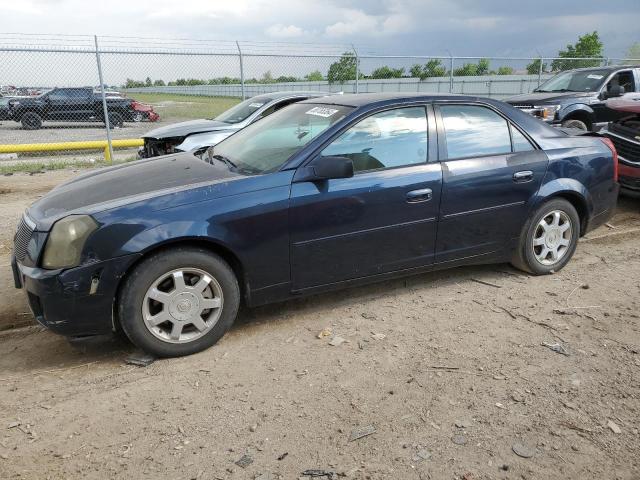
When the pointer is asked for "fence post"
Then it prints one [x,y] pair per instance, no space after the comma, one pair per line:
[105,110]
[540,71]
[451,74]
[355,52]
[241,69]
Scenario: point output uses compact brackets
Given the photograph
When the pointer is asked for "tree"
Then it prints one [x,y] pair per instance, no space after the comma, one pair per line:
[158,83]
[483,66]
[387,72]
[534,67]
[130,83]
[314,76]
[433,68]
[286,79]
[148,82]
[344,69]
[505,71]
[587,46]
[633,54]
[466,70]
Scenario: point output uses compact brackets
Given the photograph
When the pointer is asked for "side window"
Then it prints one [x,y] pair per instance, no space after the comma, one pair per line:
[388,139]
[474,131]
[520,142]
[58,95]
[624,79]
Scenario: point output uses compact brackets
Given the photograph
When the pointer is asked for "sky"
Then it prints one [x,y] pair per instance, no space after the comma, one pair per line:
[426,27]
[498,28]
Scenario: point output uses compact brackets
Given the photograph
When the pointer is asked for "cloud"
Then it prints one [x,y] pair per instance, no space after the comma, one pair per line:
[281,31]
[355,22]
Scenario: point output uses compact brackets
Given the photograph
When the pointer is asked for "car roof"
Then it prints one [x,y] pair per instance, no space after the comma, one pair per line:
[362,99]
[288,94]
[609,68]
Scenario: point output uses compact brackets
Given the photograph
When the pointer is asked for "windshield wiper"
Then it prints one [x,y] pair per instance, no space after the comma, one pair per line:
[562,90]
[225,160]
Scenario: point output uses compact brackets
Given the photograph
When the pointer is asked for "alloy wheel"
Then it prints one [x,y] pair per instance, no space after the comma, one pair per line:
[182,305]
[552,237]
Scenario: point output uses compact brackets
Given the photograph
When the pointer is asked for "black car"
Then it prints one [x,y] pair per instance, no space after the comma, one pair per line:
[323,194]
[5,113]
[577,98]
[69,105]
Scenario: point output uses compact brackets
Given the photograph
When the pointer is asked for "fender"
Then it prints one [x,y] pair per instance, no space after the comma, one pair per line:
[567,187]
[575,107]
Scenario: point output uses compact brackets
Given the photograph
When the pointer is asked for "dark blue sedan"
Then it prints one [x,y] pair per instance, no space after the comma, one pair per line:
[323,194]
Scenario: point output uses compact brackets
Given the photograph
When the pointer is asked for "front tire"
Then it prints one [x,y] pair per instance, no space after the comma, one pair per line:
[549,238]
[178,302]
[577,124]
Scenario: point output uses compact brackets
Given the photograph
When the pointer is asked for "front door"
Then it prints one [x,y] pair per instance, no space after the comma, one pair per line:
[490,170]
[382,219]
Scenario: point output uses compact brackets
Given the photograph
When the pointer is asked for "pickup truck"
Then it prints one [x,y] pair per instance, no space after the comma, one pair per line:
[577,98]
[69,105]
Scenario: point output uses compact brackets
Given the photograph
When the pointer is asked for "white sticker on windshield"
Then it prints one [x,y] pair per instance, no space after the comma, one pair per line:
[256,105]
[321,111]
[595,77]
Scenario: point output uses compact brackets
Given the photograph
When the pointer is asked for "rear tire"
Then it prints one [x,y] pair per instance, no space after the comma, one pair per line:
[178,302]
[548,239]
[578,124]
[31,121]
[115,120]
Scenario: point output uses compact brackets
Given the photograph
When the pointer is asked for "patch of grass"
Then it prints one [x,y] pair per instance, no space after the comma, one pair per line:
[32,167]
[171,106]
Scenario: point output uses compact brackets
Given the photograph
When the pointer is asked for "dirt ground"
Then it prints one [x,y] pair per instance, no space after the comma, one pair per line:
[446,372]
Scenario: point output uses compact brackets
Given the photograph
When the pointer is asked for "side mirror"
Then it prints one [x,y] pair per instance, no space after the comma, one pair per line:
[614,91]
[325,168]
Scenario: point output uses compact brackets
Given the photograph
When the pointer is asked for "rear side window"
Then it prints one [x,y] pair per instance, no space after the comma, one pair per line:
[474,131]
[520,142]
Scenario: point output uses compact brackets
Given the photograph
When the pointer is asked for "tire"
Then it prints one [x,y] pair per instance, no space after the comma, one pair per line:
[31,121]
[115,120]
[579,124]
[137,117]
[534,239]
[152,324]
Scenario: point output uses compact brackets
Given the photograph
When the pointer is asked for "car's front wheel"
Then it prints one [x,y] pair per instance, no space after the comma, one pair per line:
[178,302]
[549,238]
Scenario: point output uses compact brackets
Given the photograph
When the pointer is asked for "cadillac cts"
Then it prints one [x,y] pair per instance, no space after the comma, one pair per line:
[326,193]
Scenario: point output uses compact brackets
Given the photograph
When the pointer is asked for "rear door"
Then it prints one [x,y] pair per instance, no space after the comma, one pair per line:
[490,170]
[382,219]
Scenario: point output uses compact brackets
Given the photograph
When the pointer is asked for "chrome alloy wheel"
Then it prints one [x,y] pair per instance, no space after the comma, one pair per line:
[552,237]
[182,305]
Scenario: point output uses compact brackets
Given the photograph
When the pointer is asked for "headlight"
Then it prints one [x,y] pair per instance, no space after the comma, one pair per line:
[548,112]
[66,241]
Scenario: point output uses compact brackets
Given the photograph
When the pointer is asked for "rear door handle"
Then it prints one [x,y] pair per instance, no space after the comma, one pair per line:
[523,176]
[422,195]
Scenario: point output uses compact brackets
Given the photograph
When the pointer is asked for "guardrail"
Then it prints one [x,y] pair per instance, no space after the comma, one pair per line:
[88,145]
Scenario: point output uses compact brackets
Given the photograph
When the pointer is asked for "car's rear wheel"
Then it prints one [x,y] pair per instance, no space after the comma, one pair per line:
[549,238]
[179,302]
[31,121]
[116,120]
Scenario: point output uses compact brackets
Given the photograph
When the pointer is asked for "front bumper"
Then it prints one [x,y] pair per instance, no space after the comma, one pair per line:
[74,302]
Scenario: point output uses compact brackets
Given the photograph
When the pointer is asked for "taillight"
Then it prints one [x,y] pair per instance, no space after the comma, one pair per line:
[612,147]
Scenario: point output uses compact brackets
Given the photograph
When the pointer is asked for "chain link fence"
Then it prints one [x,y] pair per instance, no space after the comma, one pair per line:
[78,99]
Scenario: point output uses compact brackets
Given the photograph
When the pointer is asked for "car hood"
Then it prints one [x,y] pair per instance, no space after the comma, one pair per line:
[108,187]
[546,98]
[183,129]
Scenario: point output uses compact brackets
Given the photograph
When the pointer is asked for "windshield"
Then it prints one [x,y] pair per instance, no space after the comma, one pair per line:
[265,145]
[578,81]
[243,110]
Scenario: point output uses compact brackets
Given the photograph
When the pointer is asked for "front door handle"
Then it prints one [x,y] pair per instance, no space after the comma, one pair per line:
[422,195]
[523,176]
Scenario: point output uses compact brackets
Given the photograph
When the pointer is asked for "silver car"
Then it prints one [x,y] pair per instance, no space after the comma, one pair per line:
[197,135]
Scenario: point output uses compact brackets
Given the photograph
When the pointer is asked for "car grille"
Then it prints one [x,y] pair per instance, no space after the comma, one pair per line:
[628,150]
[21,240]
